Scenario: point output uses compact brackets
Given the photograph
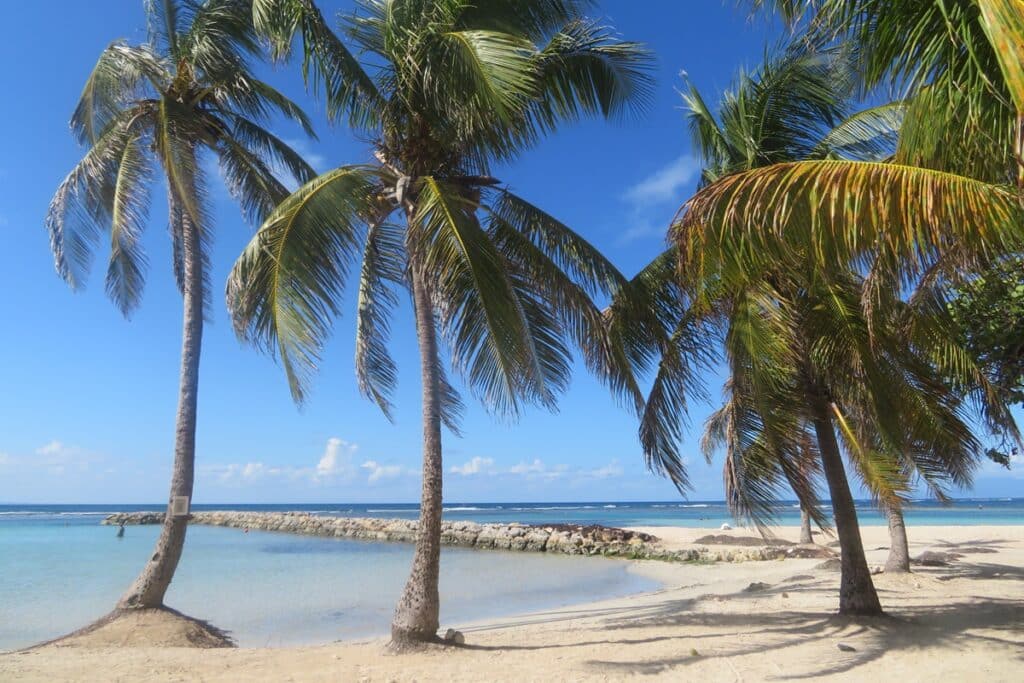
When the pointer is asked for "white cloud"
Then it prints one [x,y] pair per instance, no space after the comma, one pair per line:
[525,468]
[612,469]
[378,471]
[4,222]
[54,448]
[58,457]
[337,458]
[666,183]
[475,466]
[5,459]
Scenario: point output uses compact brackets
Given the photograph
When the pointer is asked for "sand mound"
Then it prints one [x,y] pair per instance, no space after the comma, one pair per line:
[147,628]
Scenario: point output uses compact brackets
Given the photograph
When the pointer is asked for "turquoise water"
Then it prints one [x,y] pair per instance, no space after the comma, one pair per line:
[272,589]
[59,569]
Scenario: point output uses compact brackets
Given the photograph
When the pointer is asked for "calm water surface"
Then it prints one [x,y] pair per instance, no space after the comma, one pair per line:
[59,568]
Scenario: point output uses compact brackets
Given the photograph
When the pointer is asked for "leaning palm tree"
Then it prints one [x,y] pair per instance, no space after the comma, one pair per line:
[443,89]
[783,327]
[155,109]
[792,108]
[950,203]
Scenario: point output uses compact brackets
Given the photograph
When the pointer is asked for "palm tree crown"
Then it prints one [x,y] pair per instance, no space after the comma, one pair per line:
[444,90]
[156,105]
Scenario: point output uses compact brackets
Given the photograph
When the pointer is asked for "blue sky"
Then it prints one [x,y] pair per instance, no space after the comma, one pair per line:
[87,399]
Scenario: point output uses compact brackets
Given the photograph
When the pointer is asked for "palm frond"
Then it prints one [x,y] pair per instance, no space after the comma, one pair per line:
[118,78]
[494,70]
[584,71]
[841,212]
[286,287]
[382,266]
[81,207]
[128,217]
[164,26]
[480,314]
[868,135]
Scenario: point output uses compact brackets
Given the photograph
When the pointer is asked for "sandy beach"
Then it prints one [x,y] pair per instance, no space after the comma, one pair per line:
[963,621]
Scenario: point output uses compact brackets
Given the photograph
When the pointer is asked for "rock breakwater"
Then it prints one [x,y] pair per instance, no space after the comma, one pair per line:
[567,539]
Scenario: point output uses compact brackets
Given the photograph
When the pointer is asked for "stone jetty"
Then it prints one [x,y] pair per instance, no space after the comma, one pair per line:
[567,539]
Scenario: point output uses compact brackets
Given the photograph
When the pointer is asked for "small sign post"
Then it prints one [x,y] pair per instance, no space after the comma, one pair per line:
[179,506]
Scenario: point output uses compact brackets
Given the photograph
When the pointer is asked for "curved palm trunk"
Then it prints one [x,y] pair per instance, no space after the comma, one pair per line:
[805,526]
[899,550]
[152,584]
[416,615]
[856,590]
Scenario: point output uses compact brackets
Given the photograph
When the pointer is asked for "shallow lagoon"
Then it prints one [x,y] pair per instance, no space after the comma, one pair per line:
[272,589]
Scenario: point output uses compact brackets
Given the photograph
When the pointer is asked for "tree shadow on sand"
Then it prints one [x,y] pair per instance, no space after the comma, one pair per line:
[764,631]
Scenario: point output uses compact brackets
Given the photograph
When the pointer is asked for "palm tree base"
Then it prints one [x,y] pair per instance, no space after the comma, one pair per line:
[411,641]
[145,627]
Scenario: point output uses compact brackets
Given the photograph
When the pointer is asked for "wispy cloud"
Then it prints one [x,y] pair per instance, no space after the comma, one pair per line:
[650,199]
[378,471]
[474,466]
[337,465]
[666,183]
[58,457]
[535,470]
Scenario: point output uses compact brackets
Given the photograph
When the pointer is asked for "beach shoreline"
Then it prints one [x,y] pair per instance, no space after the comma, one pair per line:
[725,621]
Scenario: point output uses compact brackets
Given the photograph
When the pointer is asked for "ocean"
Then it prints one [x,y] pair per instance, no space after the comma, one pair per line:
[59,569]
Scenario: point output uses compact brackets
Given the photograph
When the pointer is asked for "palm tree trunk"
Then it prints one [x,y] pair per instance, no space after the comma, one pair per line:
[151,585]
[805,526]
[856,590]
[416,616]
[899,550]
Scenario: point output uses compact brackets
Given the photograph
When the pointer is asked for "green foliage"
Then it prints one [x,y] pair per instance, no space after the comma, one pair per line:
[989,310]
[443,88]
[161,105]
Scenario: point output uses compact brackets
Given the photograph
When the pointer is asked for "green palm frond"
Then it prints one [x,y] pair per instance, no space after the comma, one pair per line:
[271,150]
[121,75]
[842,211]
[679,380]
[584,71]
[219,38]
[1003,23]
[249,180]
[80,208]
[496,69]
[868,135]
[481,317]
[579,318]
[568,250]
[128,216]
[164,26]
[286,287]
[326,63]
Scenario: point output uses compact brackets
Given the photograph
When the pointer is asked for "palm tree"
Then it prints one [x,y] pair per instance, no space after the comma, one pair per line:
[804,353]
[948,207]
[155,106]
[442,90]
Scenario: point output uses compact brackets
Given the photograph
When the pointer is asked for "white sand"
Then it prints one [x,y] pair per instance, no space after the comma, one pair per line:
[963,622]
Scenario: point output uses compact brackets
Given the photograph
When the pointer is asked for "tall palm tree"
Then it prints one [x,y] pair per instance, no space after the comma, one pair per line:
[153,109]
[442,89]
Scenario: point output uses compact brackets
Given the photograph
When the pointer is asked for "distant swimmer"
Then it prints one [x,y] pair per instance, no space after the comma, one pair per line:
[120,531]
